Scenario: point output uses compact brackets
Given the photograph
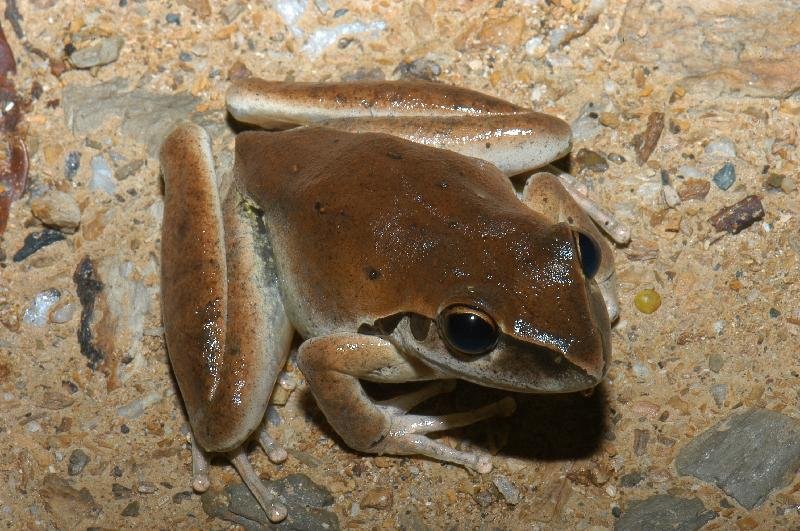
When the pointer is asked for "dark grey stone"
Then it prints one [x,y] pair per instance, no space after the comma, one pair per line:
[747,455]
[725,177]
[665,512]
[304,499]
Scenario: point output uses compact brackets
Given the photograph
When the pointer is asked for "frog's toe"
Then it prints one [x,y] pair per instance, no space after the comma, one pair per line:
[200,481]
[275,452]
[275,510]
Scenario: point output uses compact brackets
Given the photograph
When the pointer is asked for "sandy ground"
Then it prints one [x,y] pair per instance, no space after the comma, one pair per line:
[724,338]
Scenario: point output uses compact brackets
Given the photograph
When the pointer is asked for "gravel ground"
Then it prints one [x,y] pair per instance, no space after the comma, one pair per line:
[686,126]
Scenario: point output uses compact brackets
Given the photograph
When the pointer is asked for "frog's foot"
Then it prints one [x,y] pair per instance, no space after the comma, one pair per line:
[333,366]
[402,404]
[276,511]
[407,434]
[616,230]
[275,452]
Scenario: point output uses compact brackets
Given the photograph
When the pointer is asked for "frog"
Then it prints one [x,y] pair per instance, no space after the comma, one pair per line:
[377,221]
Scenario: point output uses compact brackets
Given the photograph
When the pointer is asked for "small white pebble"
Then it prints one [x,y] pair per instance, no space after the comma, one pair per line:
[64,314]
[36,313]
[33,426]
[719,326]
[641,370]
[102,176]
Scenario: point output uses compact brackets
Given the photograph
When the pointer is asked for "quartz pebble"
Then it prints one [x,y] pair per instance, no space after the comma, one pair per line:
[719,392]
[722,147]
[102,176]
[37,313]
[57,209]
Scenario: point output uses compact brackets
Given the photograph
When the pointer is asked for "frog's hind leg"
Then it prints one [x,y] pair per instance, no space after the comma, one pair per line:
[546,194]
[333,366]
[227,333]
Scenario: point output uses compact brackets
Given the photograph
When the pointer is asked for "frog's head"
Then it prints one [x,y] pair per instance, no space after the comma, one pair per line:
[528,317]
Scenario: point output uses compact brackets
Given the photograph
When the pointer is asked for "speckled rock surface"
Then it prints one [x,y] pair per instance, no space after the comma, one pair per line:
[661,97]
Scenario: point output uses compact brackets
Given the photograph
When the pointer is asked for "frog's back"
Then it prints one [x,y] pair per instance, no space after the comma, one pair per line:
[358,221]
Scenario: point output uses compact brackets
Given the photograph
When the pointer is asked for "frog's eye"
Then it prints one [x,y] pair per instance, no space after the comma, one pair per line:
[588,253]
[468,330]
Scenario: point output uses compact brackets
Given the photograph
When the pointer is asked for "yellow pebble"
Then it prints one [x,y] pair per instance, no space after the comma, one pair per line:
[647,301]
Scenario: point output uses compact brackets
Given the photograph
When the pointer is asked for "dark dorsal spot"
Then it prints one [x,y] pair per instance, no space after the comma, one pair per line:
[372,273]
[394,155]
[488,145]
[318,207]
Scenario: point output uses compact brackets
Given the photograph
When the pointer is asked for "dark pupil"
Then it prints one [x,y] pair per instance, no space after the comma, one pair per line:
[469,333]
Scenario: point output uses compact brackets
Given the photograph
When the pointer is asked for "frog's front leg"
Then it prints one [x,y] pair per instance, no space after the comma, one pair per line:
[226,330]
[333,366]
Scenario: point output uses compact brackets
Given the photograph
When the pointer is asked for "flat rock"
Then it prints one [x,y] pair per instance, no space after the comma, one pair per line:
[146,116]
[702,41]
[304,499]
[748,455]
[665,512]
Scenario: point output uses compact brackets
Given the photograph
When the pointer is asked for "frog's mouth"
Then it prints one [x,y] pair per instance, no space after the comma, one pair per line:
[513,364]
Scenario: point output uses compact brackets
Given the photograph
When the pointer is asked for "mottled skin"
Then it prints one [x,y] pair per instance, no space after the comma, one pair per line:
[365,239]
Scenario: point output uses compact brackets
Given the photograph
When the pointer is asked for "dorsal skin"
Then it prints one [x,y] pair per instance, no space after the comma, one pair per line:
[369,226]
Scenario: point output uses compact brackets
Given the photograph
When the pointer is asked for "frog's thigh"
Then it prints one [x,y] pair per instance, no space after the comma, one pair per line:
[545,194]
[333,366]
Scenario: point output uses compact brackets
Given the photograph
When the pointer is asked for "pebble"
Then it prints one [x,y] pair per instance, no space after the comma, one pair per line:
[725,176]
[146,487]
[102,176]
[120,492]
[64,314]
[71,164]
[663,511]
[586,126]
[484,498]
[616,158]
[722,147]
[418,69]
[719,392]
[715,362]
[37,313]
[507,489]
[132,509]
[647,301]
[35,241]
[305,500]
[232,11]
[378,498]
[645,143]
[609,119]
[57,209]
[737,217]
[103,52]
[690,172]
[747,455]
[591,160]
[173,18]
[631,479]
[136,408]
[671,197]
[694,189]
[78,460]
[180,497]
